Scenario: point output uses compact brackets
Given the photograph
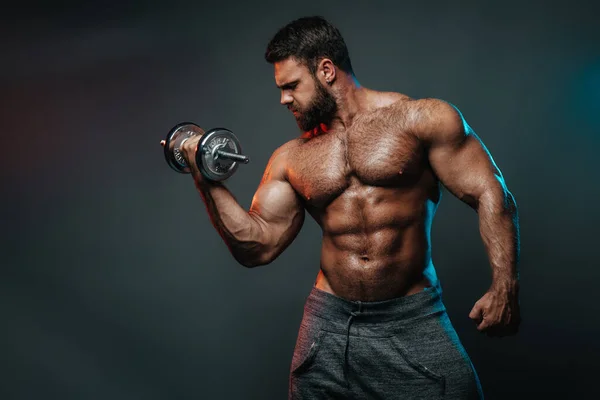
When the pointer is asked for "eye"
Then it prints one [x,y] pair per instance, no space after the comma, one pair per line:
[289,86]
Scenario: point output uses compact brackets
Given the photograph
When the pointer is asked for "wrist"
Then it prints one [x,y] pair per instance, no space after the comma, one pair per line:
[505,285]
[204,185]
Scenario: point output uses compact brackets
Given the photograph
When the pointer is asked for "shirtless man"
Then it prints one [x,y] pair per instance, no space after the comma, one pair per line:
[368,168]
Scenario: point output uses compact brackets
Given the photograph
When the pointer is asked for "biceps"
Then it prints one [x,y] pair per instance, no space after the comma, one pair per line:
[278,212]
[466,168]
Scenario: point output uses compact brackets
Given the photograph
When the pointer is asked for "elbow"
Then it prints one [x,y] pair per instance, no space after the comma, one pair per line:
[253,263]
[253,259]
[251,248]
[247,263]
[510,204]
[499,200]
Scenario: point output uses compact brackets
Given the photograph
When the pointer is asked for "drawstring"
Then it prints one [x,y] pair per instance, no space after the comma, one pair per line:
[352,315]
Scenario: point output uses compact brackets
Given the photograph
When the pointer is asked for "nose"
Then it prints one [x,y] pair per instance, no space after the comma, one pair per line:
[286,98]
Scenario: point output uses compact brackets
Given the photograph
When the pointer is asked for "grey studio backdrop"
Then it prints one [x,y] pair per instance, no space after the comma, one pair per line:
[115,284]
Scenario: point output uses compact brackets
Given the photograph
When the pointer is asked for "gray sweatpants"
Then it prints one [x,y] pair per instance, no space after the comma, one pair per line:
[403,348]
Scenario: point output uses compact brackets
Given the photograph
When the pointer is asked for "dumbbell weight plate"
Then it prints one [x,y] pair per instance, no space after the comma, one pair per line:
[211,165]
[175,138]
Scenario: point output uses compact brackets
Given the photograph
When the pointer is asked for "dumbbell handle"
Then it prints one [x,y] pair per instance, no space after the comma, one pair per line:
[233,156]
[224,154]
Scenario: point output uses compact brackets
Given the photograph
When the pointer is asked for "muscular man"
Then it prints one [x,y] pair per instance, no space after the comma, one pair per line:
[368,168]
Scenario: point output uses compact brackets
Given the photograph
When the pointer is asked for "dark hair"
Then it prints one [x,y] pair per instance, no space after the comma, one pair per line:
[309,39]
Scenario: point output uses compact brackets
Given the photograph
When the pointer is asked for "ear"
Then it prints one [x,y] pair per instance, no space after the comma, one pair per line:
[326,72]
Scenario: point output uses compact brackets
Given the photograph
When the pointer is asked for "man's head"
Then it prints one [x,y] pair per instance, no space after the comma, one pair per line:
[307,54]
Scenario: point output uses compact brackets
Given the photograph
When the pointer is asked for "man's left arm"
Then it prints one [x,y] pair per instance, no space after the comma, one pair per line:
[466,168]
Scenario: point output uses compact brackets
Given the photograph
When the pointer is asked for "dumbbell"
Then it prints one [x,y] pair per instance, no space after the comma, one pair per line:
[217,155]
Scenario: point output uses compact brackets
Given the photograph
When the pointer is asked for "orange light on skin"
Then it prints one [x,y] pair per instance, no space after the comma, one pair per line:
[316,131]
[302,188]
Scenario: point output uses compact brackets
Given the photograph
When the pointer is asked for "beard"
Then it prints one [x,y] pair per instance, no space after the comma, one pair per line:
[321,110]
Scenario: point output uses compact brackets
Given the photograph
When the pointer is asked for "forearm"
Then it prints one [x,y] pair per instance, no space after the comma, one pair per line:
[240,231]
[499,228]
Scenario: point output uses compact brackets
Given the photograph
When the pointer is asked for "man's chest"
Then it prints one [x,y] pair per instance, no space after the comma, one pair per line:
[323,167]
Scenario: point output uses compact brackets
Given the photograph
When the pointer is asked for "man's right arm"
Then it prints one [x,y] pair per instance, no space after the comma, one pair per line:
[258,236]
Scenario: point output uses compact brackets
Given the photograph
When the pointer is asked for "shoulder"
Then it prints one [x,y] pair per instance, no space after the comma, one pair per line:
[390,99]
[431,108]
[283,151]
[278,162]
[385,102]
[435,119]
[390,104]
[419,110]
[386,106]
[428,119]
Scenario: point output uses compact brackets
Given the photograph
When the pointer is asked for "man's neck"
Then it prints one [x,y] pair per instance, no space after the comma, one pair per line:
[350,97]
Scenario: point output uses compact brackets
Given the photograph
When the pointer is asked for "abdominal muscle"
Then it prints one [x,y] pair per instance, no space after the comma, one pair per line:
[378,253]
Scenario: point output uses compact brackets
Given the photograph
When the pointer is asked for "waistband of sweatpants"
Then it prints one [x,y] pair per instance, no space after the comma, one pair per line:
[334,308]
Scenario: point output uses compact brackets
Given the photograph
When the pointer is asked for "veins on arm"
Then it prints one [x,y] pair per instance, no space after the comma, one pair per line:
[466,168]
[276,209]
[457,155]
